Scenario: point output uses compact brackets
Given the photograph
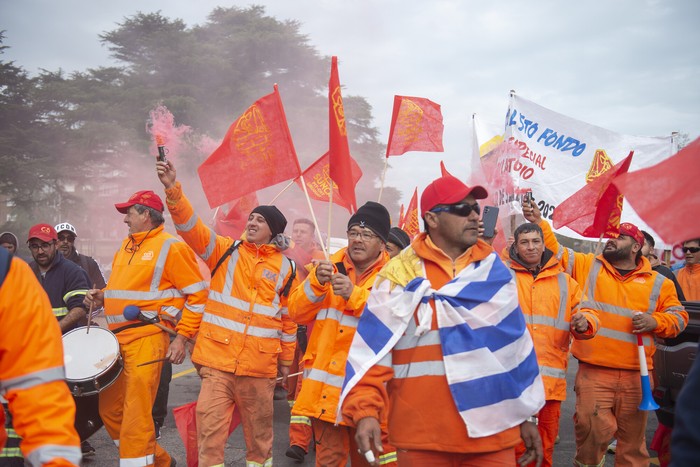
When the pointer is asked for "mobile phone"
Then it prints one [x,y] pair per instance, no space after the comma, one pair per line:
[489,221]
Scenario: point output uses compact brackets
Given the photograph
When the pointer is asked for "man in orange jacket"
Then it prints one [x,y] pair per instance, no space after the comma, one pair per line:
[246,335]
[426,352]
[549,299]
[689,275]
[31,370]
[157,273]
[631,300]
[334,295]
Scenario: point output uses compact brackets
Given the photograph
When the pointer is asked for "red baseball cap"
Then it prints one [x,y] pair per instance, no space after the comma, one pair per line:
[631,230]
[43,232]
[145,198]
[448,190]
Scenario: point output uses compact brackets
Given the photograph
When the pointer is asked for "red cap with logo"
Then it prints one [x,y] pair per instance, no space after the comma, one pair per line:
[145,198]
[631,230]
[448,190]
[43,232]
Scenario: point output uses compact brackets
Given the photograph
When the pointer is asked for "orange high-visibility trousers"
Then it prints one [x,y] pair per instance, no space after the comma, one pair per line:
[300,432]
[606,408]
[125,406]
[335,443]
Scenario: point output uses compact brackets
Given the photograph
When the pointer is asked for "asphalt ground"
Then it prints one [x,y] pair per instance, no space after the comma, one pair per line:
[184,388]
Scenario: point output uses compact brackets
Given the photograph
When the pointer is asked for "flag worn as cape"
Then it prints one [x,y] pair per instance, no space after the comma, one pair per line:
[256,152]
[318,181]
[666,195]
[416,125]
[595,209]
[340,169]
[488,354]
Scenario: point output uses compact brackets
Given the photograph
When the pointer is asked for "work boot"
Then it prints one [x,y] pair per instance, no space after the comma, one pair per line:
[296,453]
[157,427]
[87,449]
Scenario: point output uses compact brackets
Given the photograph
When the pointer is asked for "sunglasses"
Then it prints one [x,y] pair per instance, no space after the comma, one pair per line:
[461,210]
[691,249]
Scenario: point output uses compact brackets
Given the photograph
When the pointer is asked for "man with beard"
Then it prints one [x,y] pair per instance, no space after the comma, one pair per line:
[631,300]
[334,295]
[66,245]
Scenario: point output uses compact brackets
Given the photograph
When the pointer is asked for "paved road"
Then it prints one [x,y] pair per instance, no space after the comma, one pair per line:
[185,387]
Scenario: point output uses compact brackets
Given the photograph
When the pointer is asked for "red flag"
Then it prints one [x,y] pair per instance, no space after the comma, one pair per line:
[595,209]
[416,125]
[410,220]
[232,221]
[443,170]
[318,181]
[256,152]
[339,151]
[664,197]
[186,422]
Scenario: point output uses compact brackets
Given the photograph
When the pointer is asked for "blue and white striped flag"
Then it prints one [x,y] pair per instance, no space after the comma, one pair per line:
[489,358]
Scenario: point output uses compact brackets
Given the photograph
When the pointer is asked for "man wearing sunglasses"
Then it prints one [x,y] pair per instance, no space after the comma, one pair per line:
[422,349]
[66,245]
[334,295]
[689,275]
[631,300]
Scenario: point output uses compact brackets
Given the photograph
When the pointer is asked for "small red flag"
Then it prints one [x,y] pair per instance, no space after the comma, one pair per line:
[410,220]
[318,181]
[595,209]
[443,170]
[232,221]
[664,197]
[339,151]
[186,423]
[256,152]
[416,125]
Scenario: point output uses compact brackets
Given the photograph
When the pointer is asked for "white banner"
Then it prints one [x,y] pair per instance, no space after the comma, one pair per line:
[554,154]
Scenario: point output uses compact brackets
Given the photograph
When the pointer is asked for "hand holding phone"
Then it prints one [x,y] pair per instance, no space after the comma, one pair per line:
[488,220]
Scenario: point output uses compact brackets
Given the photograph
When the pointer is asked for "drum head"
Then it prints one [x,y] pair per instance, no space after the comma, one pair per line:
[88,355]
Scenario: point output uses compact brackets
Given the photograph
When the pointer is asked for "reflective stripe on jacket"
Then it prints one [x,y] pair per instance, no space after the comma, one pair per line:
[617,298]
[334,328]
[245,329]
[158,273]
[31,371]
[548,301]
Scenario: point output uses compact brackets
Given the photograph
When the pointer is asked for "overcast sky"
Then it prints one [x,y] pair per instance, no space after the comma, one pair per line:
[631,66]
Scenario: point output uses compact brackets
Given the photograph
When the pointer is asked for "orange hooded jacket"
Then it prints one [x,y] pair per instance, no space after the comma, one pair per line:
[689,279]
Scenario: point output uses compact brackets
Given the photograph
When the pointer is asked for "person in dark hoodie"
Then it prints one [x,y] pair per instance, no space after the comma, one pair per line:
[549,299]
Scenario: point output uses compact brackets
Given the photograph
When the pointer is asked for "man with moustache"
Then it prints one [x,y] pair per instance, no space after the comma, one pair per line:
[66,245]
[245,335]
[334,296]
[689,275]
[631,300]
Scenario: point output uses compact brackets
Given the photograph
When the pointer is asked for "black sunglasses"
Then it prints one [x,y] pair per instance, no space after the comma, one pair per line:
[691,249]
[461,210]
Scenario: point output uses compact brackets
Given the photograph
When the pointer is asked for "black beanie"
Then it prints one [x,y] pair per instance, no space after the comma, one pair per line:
[373,216]
[274,218]
[399,237]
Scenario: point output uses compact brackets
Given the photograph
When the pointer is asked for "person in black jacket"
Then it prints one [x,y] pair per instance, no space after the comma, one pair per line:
[685,439]
[66,245]
[649,253]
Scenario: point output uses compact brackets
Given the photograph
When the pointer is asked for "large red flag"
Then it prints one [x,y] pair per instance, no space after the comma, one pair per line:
[666,195]
[595,209]
[410,220]
[416,125]
[231,223]
[256,152]
[339,151]
[318,181]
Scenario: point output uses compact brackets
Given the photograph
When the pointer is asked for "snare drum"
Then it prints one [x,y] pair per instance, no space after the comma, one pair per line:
[92,360]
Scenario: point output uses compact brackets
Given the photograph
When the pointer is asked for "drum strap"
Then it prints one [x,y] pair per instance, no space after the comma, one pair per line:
[5,261]
[129,326]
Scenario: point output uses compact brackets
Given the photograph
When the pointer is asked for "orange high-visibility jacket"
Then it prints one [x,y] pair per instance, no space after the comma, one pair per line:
[246,329]
[689,279]
[158,273]
[410,383]
[548,301]
[334,328]
[617,298]
[32,373]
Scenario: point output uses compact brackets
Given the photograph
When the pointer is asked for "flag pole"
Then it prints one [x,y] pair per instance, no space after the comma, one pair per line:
[213,219]
[330,211]
[280,193]
[313,216]
[381,187]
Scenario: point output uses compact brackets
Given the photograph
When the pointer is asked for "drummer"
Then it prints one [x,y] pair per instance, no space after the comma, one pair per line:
[157,273]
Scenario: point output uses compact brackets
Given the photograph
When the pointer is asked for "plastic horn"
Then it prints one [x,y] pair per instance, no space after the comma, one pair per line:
[647,399]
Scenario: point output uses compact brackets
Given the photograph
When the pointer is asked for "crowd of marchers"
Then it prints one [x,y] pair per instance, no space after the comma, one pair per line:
[436,350]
